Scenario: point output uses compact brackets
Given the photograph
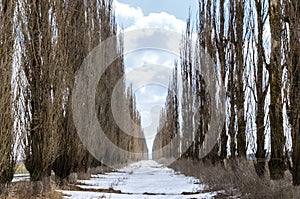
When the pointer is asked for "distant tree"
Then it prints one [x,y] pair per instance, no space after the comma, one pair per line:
[174,116]
[137,144]
[186,65]
[168,129]
[160,137]
[205,47]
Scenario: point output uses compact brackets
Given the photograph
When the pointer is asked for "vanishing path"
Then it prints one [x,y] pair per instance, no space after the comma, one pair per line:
[144,179]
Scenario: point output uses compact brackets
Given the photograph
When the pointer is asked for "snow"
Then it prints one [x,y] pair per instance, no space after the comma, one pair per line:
[21,177]
[144,179]
[94,195]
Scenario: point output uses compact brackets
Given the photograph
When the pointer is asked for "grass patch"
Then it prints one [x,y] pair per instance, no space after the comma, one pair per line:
[21,169]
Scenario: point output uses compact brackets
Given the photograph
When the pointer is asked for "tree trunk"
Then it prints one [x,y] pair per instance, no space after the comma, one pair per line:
[261,96]
[40,181]
[276,163]
[232,81]
[296,151]
[8,97]
[294,107]
[231,127]
[3,189]
[220,43]
[240,94]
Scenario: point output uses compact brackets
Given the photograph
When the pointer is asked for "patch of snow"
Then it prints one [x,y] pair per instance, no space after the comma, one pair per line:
[94,195]
[144,179]
[21,177]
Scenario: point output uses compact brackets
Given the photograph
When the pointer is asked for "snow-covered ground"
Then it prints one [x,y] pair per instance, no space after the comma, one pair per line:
[21,177]
[142,180]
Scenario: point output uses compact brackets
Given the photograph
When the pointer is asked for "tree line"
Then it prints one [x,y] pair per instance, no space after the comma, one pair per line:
[43,44]
[255,49]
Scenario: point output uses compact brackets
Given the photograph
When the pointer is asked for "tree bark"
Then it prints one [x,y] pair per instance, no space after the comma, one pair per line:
[261,97]
[276,163]
[294,68]
[7,97]
[240,94]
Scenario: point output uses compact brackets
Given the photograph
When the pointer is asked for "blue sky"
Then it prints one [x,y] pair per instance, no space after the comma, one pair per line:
[176,8]
[132,15]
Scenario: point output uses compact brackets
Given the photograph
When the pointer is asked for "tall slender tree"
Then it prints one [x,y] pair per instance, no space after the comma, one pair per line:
[294,92]
[43,91]
[7,132]
[73,44]
[261,88]
[221,44]
[240,67]
[276,163]
[186,63]
[168,129]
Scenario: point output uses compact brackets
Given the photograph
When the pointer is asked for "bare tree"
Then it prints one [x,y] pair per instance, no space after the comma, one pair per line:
[186,62]
[237,125]
[74,43]
[276,163]
[231,82]
[261,89]
[221,50]
[240,67]
[159,138]
[44,93]
[7,98]
[137,143]
[293,64]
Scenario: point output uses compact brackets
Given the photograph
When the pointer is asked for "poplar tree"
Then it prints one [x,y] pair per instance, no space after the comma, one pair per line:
[7,98]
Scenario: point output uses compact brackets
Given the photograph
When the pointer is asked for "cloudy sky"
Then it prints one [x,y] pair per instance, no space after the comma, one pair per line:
[149,70]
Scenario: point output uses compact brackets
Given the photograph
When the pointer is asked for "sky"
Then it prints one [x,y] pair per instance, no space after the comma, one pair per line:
[170,15]
[134,12]
[151,64]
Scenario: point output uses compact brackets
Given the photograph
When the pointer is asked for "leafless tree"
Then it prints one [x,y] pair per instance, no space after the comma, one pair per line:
[293,66]
[7,98]
[276,163]
[261,87]
[44,93]
[169,129]
[72,46]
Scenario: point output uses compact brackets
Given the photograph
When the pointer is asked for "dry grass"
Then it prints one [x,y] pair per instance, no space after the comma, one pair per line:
[238,181]
[22,190]
[20,168]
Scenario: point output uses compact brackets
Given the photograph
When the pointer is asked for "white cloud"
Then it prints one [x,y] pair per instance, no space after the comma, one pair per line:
[127,14]
[157,64]
[132,18]
[159,20]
